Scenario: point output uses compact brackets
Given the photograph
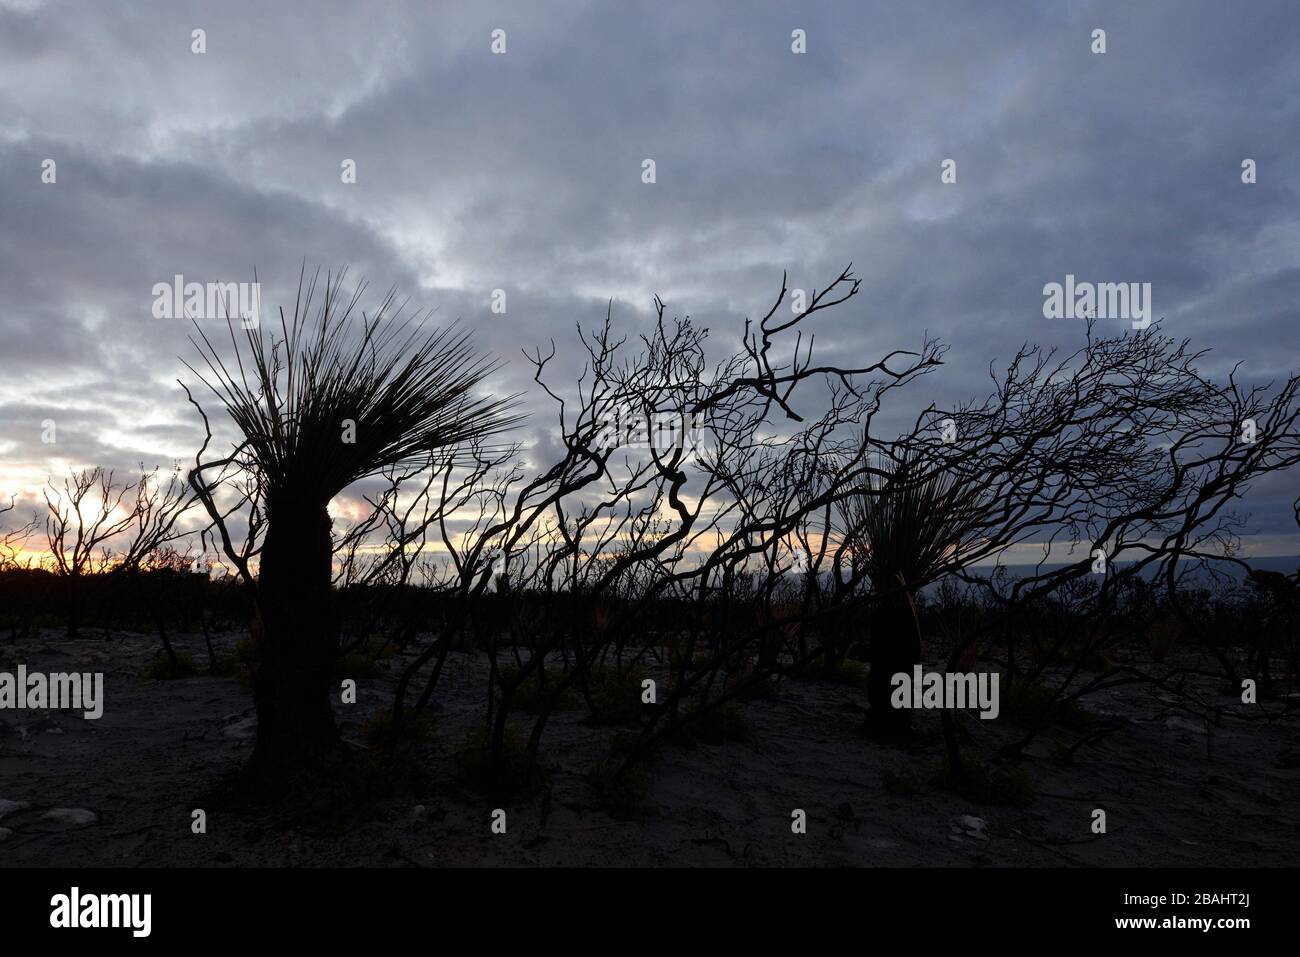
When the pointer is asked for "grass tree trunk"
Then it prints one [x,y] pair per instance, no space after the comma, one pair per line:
[296,646]
[322,404]
[895,649]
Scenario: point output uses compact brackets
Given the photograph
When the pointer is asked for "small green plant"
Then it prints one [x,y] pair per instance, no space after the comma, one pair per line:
[763,689]
[245,658]
[378,727]
[903,781]
[726,722]
[333,797]
[517,770]
[538,692]
[162,668]
[224,666]
[1000,787]
[622,794]
[616,693]
[1030,703]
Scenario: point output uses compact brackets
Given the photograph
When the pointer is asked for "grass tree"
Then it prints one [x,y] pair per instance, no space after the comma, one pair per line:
[325,398]
[907,522]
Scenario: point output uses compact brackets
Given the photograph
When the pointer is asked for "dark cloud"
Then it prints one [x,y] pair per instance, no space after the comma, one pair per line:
[522,172]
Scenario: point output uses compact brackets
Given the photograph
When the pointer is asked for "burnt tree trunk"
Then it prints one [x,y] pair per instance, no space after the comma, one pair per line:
[895,648]
[73,597]
[296,642]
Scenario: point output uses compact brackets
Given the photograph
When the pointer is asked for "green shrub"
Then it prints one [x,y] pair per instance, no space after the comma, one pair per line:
[1030,703]
[726,722]
[378,727]
[224,666]
[616,693]
[337,795]
[354,665]
[162,668]
[622,795]
[766,687]
[905,781]
[516,770]
[245,656]
[1002,787]
[533,695]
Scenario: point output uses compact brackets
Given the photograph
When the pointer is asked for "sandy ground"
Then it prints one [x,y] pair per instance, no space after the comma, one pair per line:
[1175,792]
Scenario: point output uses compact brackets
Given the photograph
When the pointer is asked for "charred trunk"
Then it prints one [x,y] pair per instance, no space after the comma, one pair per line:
[72,597]
[296,644]
[895,649]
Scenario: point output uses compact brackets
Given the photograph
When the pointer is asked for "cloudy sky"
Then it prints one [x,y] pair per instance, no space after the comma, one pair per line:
[522,171]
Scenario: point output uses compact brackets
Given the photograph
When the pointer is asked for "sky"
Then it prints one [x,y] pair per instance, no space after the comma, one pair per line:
[522,169]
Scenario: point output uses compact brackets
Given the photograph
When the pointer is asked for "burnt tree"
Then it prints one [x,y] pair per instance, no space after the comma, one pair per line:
[325,399]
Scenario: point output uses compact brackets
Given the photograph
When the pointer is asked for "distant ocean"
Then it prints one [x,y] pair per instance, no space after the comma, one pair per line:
[1286,564]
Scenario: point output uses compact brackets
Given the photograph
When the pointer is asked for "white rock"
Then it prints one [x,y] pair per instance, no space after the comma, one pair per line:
[70,815]
[8,807]
[241,729]
[971,826]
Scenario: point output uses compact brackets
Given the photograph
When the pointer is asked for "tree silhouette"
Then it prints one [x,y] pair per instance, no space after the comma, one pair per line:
[335,397]
[900,530]
[82,518]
